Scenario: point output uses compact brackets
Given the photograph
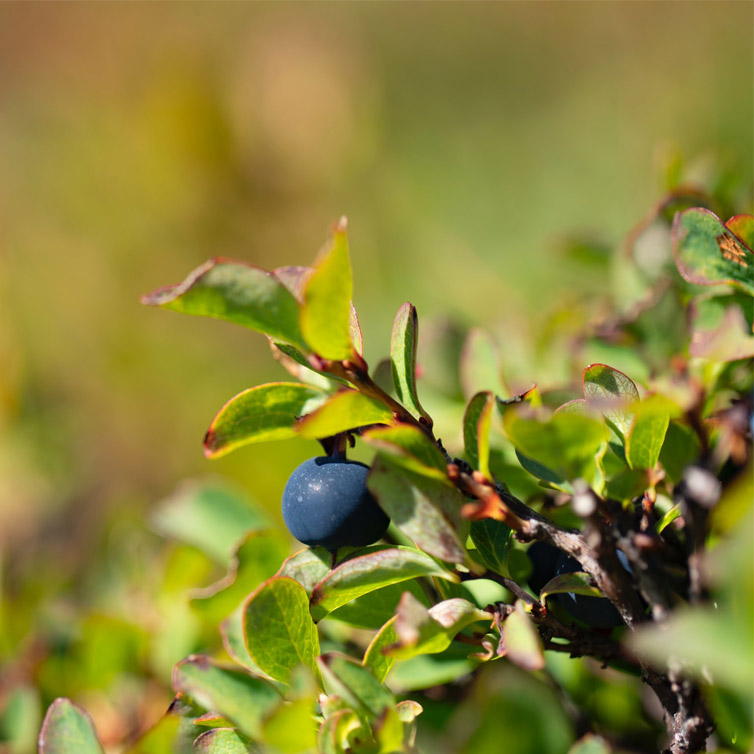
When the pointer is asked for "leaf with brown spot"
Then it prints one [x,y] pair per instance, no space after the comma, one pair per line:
[707,252]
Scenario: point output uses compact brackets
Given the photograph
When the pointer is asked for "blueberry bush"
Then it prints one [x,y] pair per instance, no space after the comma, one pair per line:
[508,586]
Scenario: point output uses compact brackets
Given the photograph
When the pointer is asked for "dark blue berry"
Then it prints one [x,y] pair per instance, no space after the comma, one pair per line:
[597,612]
[326,503]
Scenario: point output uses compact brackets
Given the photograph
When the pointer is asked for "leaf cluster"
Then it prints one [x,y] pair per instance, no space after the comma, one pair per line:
[636,465]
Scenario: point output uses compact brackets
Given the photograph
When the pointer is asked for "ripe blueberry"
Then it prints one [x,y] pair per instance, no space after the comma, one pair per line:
[326,503]
[598,612]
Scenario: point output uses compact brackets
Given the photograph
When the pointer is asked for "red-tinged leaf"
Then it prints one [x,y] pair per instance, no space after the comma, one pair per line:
[403,344]
[708,253]
[236,292]
[743,227]
[261,414]
[222,741]
[68,729]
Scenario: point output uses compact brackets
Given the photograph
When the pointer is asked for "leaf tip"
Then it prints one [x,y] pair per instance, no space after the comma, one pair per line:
[209,444]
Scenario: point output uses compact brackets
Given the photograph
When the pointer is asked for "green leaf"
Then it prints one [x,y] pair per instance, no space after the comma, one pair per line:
[407,446]
[426,510]
[371,610]
[477,422]
[222,741]
[611,393]
[627,484]
[492,540]
[356,685]
[365,573]
[326,311]
[577,582]
[420,631]
[292,729]
[388,731]
[645,441]
[308,567]
[425,671]
[257,558]
[403,344]
[68,729]
[375,658]
[347,409]
[668,518]
[547,475]
[480,364]
[706,252]
[260,414]
[280,634]
[568,443]
[237,292]
[210,516]
[238,696]
[521,642]
[20,717]
[680,449]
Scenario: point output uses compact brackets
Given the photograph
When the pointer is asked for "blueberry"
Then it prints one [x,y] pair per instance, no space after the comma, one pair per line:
[326,504]
[544,561]
[597,612]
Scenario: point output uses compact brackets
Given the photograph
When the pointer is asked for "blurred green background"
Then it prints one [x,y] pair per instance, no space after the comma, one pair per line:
[464,141]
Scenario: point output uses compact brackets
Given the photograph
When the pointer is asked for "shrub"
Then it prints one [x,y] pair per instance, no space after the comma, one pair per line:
[635,479]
